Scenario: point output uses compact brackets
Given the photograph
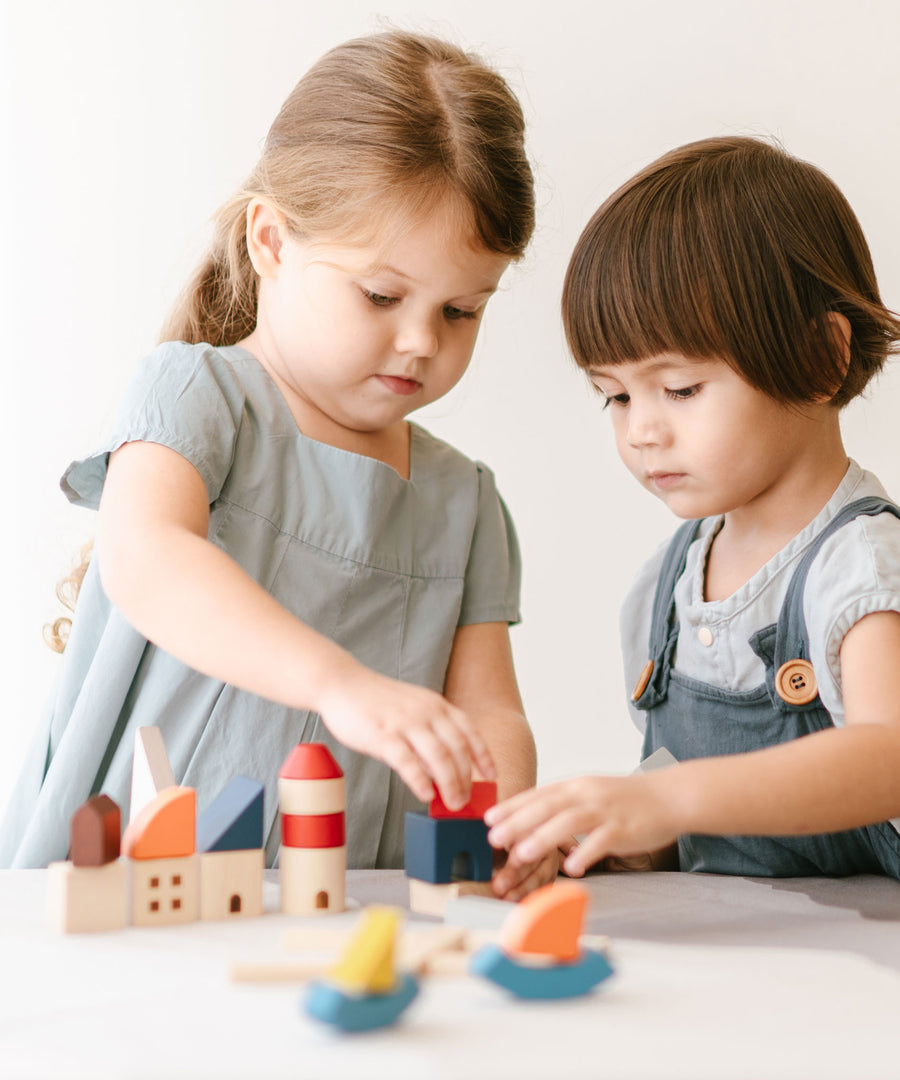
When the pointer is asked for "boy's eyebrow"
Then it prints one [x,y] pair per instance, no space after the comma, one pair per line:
[649,365]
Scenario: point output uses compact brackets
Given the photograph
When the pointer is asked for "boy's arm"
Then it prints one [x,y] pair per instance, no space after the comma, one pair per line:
[193,600]
[836,779]
[481,681]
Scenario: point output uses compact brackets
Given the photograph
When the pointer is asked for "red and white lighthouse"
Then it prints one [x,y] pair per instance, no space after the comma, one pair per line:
[313,859]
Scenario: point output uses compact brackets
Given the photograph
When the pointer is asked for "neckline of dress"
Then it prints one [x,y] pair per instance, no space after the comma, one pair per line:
[376,463]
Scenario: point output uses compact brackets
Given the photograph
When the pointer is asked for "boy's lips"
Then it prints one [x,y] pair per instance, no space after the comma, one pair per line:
[661,479]
[397,384]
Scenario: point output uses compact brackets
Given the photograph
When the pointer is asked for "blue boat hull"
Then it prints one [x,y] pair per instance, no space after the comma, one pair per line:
[552,982]
[359,1012]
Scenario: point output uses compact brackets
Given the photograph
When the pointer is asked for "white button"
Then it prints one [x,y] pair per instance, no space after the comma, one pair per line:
[705,636]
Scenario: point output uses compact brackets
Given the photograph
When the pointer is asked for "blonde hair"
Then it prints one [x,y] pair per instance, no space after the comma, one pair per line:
[376,135]
[731,247]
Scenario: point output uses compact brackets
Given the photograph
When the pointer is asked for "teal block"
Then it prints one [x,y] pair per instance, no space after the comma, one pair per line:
[551,982]
[233,821]
[441,850]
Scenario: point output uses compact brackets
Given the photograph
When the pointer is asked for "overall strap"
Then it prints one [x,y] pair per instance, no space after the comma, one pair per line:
[653,684]
[791,639]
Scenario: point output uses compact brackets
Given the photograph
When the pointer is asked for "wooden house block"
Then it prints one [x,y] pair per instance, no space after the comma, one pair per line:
[164,892]
[84,899]
[231,883]
[233,821]
[312,880]
[95,836]
[164,828]
[482,797]
[426,898]
[441,849]
[151,772]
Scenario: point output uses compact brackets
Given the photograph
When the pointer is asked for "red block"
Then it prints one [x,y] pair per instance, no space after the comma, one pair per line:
[484,795]
[312,830]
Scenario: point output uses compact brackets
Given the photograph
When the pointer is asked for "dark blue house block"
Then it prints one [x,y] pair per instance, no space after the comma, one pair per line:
[441,850]
[234,820]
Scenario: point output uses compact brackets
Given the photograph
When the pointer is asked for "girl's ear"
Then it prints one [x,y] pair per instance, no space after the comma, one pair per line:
[265,227]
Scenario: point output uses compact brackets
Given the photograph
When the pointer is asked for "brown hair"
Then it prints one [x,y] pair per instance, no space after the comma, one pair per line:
[730,247]
[377,134]
[382,127]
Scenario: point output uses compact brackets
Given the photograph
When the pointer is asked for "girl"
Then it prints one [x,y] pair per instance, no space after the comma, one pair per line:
[278,549]
[724,304]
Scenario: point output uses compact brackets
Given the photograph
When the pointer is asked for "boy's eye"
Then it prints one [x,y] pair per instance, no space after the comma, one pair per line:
[379,299]
[453,313]
[682,393]
[615,399]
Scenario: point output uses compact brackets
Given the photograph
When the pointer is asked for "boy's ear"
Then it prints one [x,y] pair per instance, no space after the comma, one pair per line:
[265,230]
[836,331]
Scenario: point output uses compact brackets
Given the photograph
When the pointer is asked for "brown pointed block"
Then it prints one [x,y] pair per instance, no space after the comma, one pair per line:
[95,836]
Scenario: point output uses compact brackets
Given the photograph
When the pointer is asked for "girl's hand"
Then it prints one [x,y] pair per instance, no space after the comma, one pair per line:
[620,816]
[414,730]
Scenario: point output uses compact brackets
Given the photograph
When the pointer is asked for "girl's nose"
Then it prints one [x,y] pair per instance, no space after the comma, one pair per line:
[417,336]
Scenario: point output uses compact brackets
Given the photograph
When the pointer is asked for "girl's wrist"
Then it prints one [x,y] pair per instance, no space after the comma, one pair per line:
[332,672]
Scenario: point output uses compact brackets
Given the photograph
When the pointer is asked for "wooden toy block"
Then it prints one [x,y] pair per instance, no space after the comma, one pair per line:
[332,1005]
[547,922]
[313,830]
[483,797]
[231,884]
[151,772]
[441,849]
[164,892]
[95,836]
[426,898]
[233,821]
[312,880]
[85,899]
[477,912]
[311,796]
[164,828]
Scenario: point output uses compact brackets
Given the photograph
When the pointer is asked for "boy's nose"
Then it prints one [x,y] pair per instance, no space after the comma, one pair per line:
[643,426]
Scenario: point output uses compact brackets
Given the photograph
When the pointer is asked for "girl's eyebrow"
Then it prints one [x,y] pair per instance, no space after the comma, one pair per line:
[488,290]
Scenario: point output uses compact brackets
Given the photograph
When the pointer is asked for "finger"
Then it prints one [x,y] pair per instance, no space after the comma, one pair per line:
[540,873]
[478,749]
[546,837]
[397,753]
[590,851]
[440,764]
[553,795]
[533,810]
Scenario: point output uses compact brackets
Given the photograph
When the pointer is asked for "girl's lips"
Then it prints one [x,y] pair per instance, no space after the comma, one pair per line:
[398,385]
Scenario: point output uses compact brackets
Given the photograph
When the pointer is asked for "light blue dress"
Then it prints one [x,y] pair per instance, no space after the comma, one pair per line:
[386,567]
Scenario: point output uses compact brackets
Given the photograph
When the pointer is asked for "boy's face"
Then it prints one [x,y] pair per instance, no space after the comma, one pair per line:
[697,435]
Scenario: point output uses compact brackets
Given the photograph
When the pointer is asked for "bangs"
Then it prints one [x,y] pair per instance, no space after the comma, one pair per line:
[702,254]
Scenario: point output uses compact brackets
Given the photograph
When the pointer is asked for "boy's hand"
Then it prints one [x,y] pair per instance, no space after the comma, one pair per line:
[618,816]
[515,880]
[414,730]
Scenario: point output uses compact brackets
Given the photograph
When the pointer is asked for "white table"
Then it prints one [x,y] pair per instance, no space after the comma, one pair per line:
[716,977]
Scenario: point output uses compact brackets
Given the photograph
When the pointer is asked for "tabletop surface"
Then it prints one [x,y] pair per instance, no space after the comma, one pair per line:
[715,977]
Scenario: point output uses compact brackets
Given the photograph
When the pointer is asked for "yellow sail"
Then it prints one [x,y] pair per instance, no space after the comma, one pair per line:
[367,965]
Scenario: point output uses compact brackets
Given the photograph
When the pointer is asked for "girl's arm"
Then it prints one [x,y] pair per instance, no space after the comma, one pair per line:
[481,681]
[190,598]
[836,779]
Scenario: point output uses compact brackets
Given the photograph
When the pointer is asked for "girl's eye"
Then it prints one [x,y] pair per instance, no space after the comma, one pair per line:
[683,393]
[379,300]
[453,313]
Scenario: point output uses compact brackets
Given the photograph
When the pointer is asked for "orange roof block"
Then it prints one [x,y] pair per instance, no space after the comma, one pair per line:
[164,829]
[548,921]
[309,761]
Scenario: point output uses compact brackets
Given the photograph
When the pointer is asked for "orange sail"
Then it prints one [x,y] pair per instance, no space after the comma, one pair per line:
[548,922]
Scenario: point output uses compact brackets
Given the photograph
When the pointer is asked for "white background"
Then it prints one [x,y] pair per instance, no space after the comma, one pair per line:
[127,123]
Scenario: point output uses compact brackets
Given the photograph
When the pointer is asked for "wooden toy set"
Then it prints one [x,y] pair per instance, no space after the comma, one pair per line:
[171,866]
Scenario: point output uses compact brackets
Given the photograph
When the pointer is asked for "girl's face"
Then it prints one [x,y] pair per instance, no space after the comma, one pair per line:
[359,337]
[697,435]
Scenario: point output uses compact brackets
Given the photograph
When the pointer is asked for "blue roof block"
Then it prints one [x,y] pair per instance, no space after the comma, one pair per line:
[234,820]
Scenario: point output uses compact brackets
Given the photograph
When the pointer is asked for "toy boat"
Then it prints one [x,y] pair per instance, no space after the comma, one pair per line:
[364,991]
[538,955]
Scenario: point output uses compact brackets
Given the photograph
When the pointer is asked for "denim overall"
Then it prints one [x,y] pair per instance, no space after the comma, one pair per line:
[693,719]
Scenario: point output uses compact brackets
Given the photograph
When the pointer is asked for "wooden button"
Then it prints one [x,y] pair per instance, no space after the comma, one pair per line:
[641,685]
[705,636]
[795,682]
